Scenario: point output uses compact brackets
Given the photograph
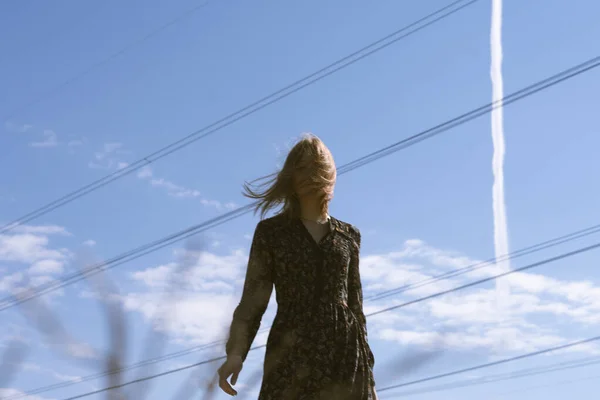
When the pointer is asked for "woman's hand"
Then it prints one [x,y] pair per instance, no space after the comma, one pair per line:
[231,367]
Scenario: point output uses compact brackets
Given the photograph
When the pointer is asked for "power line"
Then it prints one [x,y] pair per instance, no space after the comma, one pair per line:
[491,278]
[104,61]
[258,105]
[490,364]
[553,384]
[50,35]
[374,156]
[103,374]
[527,250]
[125,257]
[470,268]
[473,114]
[538,264]
[586,362]
[147,378]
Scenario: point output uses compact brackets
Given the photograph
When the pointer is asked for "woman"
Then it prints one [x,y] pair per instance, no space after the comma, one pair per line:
[317,347]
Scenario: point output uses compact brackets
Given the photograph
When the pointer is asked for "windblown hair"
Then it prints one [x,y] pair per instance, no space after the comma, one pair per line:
[310,164]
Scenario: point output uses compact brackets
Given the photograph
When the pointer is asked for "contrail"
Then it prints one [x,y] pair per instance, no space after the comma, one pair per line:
[499,205]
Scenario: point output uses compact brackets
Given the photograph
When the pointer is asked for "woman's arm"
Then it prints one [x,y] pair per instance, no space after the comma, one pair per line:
[355,293]
[258,287]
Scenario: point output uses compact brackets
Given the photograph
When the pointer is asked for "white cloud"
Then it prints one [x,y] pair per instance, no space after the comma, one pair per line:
[155,277]
[30,245]
[206,268]
[464,320]
[28,248]
[183,321]
[493,339]
[44,267]
[15,393]
[179,191]
[42,230]
[81,350]
[66,378]
[50,140]
[107,150]
[106,157]
[387,271]
[211,279]
[173,189]
[31,367]
[14,128]
[9,283]
[473,313]
[89,243]
[26,366]
[145,172]
[39,280]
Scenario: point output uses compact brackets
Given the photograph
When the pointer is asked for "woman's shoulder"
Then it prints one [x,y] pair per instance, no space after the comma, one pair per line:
[274,221]
[271,225]
[348,229]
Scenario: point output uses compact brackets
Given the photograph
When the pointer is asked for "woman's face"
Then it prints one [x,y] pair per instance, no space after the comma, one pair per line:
[304,181]
[304,186]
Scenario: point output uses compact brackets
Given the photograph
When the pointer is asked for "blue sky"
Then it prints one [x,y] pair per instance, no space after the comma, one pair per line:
[422,211]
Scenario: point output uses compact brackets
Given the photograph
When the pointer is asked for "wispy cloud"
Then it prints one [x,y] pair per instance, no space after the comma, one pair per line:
[46,267]
[172,189]
[42,229]
[14,393]
[146,173]
[38,368]
[74,144]
[50,140]
[108,156]
[16,128]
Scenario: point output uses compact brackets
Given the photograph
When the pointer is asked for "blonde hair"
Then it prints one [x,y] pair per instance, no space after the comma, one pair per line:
[310,158]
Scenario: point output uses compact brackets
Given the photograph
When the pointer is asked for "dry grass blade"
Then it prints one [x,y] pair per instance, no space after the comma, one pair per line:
[48,324]
[175,288]
[12,359]
[118,345]
[40,316]
[193,383]
[210,389]
[415,359]
[191,386]
[108,297]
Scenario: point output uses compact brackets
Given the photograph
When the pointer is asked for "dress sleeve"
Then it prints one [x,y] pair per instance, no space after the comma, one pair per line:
[355,294]
[256,294]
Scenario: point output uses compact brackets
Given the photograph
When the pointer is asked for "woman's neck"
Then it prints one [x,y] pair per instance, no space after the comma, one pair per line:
[311,209]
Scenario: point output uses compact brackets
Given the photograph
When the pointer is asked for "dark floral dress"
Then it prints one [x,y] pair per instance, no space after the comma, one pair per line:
[317,347]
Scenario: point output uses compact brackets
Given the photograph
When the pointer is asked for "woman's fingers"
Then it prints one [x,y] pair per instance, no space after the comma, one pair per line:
[234,378]
[224,373]
[226,387]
